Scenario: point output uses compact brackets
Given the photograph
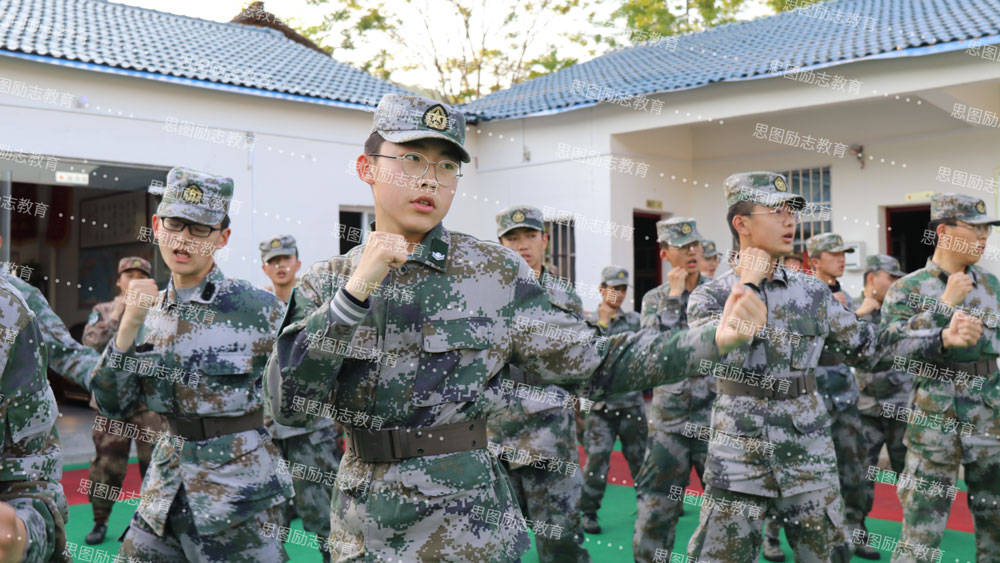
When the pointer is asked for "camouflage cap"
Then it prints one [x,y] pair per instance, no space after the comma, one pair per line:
[677,231]
[708,249]
[282,245]
[614,276]
[883,262]
[826,242]
[135,263]
[966,208]
[401,119]
[198,197]
[762,188]
[517,216]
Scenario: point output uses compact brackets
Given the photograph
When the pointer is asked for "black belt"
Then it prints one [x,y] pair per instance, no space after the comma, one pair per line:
[395,444]
[205,427]
[797,386]
[979,367]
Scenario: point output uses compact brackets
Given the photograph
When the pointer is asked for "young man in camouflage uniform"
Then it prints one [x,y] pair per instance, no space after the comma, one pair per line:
[623,416]
[880,392]
[710,259]
[423,484]
[311,447]
[33,509]
[771,448]
[840,395]
[678,410]
[956,401]
[195,352]
[538,428]
[111,449]
[280,262]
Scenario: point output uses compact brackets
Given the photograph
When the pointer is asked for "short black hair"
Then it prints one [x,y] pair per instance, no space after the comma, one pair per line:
[743,207]
[933,225]
[373,145]
[225,222]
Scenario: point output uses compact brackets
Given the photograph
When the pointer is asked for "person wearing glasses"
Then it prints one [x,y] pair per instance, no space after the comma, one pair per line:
[678,410]
[956,402]
[195,352]
[771,449]
[421,483]
[111,449]
[837,386]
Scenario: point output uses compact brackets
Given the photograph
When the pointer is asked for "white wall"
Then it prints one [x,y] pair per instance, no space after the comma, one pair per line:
[300,196]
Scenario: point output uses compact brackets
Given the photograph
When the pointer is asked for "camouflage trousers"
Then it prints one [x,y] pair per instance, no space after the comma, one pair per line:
[847,444]
[876,431]
[551,497]
[668,462]
[603,426]
[181,541]
[312,499]
[925,512]
[813,522]
[111,458]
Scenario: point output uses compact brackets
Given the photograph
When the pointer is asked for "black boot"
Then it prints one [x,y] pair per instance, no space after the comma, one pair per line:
[96,535]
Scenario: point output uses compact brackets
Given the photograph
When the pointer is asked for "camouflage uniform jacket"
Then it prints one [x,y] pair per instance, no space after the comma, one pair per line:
[477,307]
[100,326]
[688,401]
[939,399]
[31,464]
[622,322]
[521,426]
[203,357]
[281,431]
[834,379]
[783,447]
[67,357]
[891,386]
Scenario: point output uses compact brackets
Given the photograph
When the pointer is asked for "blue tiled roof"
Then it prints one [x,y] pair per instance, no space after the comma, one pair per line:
[821,35]
[110,37]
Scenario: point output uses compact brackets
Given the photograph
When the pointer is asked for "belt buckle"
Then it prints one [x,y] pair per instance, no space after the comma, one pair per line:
[371,446]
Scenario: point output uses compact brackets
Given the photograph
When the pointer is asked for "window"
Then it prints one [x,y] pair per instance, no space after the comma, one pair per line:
[353,228]
[560,256]
[814,185]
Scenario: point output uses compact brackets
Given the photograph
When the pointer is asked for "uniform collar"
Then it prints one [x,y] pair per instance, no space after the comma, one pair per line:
[433,250]
[780,275]
[932,268]
[207,289]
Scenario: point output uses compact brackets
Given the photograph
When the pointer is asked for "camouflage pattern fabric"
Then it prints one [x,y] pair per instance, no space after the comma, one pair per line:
[202,357]
[935,449]
[31,465]
[401,119]
[622,417]
[477,307]
[316,449]
[101,326]
[281,245]
[670,451]
[775,450]
[543,428]
[249,542]
[67,357]
[890,387]
[199,197]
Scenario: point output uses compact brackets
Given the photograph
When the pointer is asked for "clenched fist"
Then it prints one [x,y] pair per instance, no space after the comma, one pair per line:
[964,330]
[382,251]
[743,308]
[13,535]
[959,285]
[135,312]
[677,277]
[751,267]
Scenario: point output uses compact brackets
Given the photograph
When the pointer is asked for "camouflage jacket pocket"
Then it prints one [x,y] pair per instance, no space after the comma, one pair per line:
[454,361]
[810,420]
[934,399]
[991,391]
[224,386]
[806,343]
[737,422]
[447,474]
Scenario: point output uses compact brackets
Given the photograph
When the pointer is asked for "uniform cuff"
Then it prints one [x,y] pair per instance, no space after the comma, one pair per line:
[346,309]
